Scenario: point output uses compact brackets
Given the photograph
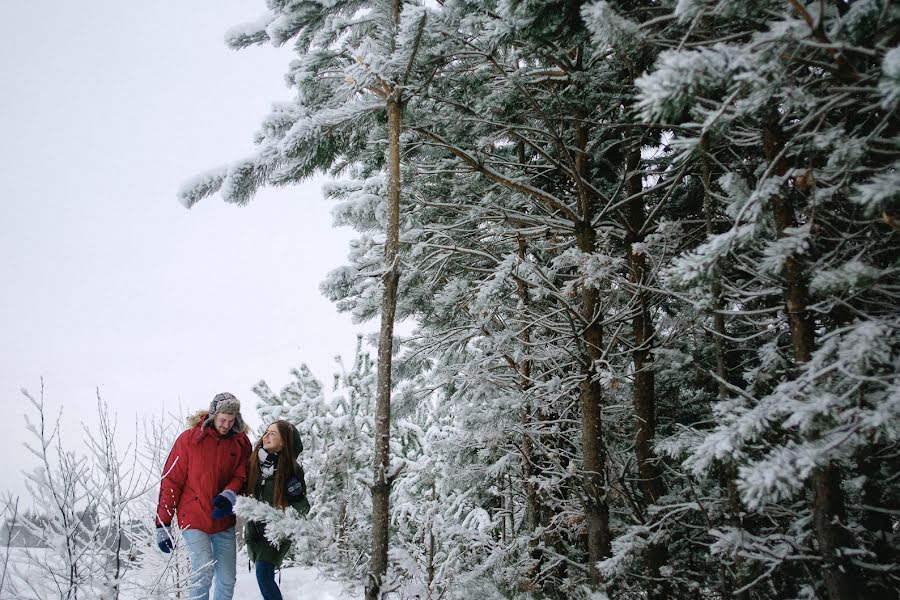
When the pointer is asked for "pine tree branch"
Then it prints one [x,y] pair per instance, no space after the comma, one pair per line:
[476,165]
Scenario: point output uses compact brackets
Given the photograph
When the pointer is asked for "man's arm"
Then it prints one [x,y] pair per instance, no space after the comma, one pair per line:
[239,475]
[173,479]
[223,503]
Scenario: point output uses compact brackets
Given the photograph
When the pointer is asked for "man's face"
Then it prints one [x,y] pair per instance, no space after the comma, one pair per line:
[223,423]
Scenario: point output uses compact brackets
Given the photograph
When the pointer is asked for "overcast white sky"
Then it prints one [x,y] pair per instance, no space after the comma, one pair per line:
[107,281]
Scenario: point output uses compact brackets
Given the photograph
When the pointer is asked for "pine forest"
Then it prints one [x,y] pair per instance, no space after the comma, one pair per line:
[642,260]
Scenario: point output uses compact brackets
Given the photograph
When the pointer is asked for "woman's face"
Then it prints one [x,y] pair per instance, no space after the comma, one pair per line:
[272,441]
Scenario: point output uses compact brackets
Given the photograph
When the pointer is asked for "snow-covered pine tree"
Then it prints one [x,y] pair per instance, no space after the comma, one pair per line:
[341,493]
[791,110]
[556,177]
[300,396]
[334,123]
[338,432]
[580,239]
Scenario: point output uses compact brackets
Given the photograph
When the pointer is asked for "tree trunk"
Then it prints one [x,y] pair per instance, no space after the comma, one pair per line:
[429,572]
[829,513]
[591,392]
[715,287]
[532,499]
[652,484]
[727,478]
[381,488]
[876,522]
[342,525]
[829,516]
[530,469]
[591,395]
[510,504]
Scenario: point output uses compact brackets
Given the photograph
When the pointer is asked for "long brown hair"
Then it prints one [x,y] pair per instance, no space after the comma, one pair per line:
[285,468]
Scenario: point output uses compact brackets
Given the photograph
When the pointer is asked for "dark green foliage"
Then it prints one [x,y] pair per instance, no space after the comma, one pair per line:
[718,181]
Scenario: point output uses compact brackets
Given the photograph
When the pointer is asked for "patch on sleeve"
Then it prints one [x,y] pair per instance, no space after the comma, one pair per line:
[296,487]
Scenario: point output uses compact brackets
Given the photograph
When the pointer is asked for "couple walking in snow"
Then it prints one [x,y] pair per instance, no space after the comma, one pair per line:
[209,465]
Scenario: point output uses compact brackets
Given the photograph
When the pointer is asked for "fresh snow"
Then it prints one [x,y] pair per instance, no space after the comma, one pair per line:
[26,571]
[297,583]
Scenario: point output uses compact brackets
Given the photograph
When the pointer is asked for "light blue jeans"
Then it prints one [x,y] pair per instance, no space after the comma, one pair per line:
[212,554]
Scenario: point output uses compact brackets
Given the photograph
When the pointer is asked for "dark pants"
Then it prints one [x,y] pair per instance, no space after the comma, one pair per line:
[265,577]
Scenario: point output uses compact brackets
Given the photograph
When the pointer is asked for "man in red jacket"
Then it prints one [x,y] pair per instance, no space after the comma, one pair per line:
[205,471]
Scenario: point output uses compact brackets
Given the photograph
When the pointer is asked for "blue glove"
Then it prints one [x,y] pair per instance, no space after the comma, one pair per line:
[164,538]
[224,504]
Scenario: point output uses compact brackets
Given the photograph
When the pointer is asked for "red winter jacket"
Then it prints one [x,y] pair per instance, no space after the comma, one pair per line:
[201,465]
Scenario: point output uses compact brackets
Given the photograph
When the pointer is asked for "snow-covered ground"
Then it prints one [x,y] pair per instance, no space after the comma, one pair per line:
[24,574]
[297,583]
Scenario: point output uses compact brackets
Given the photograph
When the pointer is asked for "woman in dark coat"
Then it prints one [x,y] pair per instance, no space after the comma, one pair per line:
[276,478]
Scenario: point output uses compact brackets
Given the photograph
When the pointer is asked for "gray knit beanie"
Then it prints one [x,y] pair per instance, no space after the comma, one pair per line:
[225,403]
